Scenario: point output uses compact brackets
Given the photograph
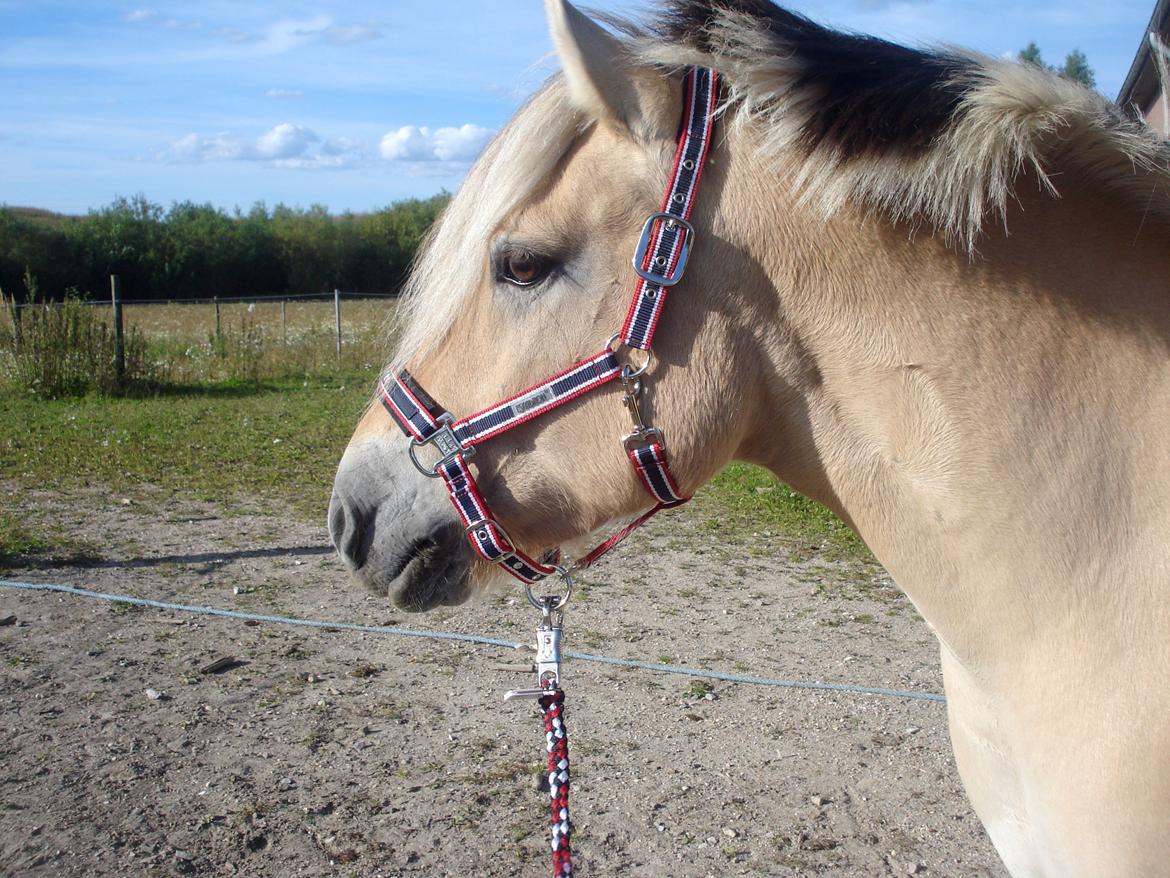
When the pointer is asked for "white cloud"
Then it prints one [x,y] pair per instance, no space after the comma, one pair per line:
[276,37]
[284,93]
[414,144]
[317,162]
[288,35]
[407,144]
[286,145]
[197,148]
[285,141]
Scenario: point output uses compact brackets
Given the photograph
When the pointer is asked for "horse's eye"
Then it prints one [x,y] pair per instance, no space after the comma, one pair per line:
[523,269]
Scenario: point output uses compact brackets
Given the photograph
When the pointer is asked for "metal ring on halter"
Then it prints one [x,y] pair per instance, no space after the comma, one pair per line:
[443,440]
[629,374]
[566,578]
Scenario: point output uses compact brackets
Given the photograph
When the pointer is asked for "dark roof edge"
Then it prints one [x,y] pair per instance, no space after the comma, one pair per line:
[1139,70]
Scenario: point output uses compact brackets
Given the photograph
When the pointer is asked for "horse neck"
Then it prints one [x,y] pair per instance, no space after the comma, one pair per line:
[994,427]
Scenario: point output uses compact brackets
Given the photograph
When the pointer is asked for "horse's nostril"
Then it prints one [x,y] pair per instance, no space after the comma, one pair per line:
[347,531]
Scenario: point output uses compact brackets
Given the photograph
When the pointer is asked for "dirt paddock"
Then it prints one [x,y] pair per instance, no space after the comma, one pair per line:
[327,752]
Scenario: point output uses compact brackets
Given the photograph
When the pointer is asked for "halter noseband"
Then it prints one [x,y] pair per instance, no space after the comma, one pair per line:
[659,260]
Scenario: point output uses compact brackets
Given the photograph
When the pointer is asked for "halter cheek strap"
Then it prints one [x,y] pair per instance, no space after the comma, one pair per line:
[665,245]
[659,260]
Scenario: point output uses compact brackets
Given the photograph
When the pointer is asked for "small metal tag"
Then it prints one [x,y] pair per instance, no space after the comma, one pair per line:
[533,401]
[446,442]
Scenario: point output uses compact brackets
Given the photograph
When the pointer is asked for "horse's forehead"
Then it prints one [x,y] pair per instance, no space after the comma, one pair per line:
[601,175]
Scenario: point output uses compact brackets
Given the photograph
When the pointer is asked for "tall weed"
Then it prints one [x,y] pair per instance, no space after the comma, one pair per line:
[56,349]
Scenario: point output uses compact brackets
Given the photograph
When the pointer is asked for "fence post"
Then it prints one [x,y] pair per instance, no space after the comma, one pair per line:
[218,333]
[337,318]
[284,322]
[119,335]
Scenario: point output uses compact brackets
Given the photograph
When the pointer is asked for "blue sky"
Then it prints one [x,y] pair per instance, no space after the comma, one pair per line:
[356,104]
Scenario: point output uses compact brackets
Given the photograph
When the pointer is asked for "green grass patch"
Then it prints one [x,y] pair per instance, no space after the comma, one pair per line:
[747,498]
[16,539]
[20,543]
[225,443]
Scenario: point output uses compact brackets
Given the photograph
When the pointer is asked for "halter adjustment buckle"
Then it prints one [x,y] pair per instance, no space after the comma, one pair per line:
[444,442]
[662,278]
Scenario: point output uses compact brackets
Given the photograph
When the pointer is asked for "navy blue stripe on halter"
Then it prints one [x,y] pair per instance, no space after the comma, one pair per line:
[488,541]
[404,408]
[537,400]
[651,465]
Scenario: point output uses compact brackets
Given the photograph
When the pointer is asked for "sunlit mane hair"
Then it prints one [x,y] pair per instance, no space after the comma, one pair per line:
[451,261]
[926,136]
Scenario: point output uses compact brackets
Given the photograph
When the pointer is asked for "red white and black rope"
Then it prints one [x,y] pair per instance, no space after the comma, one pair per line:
[557,744]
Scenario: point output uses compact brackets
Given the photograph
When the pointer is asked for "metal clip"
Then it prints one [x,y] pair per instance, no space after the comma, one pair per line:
[548,655]
[642,433]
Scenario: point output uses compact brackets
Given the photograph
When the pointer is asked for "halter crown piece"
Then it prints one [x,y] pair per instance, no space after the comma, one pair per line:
[659,260]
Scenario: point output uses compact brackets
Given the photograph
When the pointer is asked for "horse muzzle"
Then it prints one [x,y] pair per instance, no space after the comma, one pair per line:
[395,533]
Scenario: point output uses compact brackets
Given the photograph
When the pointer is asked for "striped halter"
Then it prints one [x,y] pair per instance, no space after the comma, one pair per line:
[659,260]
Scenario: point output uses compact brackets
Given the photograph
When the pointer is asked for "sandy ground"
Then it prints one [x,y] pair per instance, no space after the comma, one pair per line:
[349,754]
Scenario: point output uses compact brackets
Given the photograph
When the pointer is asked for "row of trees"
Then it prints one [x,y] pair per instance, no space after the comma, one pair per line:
[197,250]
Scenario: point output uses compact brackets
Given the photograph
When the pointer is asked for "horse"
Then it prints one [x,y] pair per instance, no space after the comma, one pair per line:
[927,289]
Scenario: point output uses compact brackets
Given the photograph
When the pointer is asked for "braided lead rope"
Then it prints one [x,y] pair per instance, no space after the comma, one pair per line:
[557,742]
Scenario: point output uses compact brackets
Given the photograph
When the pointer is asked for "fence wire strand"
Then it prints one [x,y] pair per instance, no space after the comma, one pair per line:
[394,630]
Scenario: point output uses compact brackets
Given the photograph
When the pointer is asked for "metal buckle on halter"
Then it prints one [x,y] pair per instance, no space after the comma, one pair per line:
[479,528]
[629,373]
[643,437]
[444,441]
[684,250]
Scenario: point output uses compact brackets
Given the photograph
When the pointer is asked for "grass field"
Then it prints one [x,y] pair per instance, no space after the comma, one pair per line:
[260,422]
[300,318]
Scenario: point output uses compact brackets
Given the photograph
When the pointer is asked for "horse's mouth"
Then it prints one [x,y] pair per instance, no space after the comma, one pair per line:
[434,570]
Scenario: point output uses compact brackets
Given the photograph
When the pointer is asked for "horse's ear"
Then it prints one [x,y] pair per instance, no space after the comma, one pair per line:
[602,79]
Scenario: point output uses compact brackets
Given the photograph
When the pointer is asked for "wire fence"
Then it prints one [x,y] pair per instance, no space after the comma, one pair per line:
[261,298]
[118,307]
[185,340]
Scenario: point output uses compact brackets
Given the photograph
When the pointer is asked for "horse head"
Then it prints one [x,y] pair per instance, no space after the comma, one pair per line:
[528,270]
